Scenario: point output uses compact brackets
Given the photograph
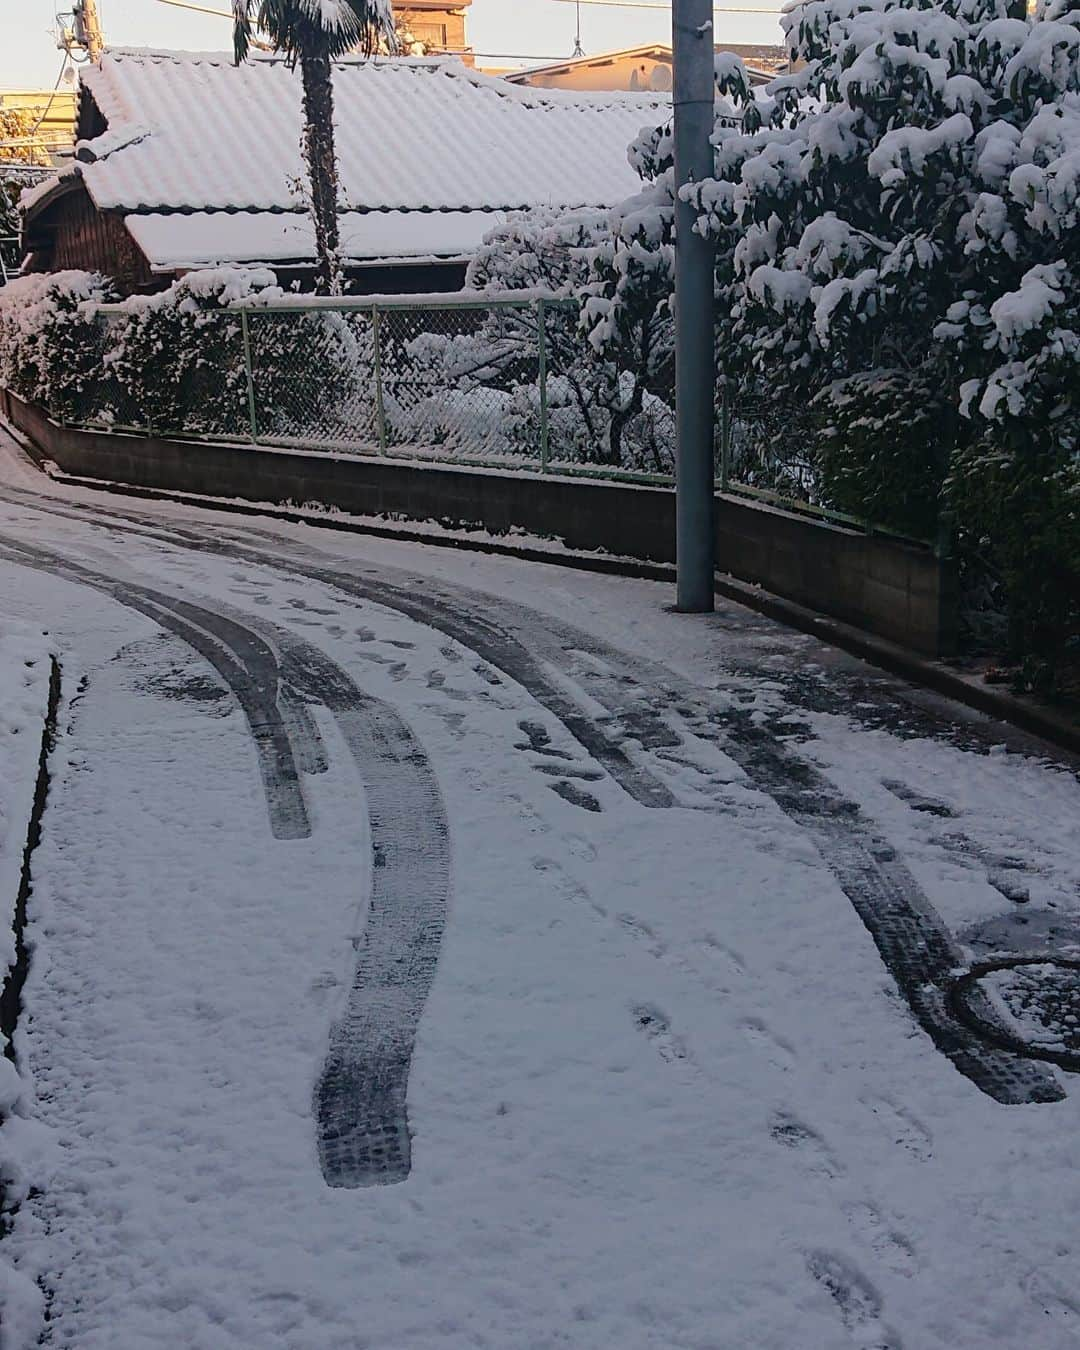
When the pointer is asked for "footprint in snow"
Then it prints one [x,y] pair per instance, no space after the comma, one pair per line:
[904,1128]
[654,1023]
[776,1050]
[919,801]
[296,603]
[539,741]
[641,931]
[1062,1308]
[567,771]
[891,1248]
[568,888]
[715,950]
[437,680]
[857,1300]
[576,796]
[792,1133]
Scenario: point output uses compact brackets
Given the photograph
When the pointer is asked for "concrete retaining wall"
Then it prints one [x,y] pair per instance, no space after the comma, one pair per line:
[883,585]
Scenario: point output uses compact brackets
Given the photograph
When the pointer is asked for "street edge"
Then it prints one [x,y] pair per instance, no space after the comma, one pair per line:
[888,656]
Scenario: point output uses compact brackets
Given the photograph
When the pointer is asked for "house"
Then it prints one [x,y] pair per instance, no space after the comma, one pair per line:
[186,161]
[435,25]
[50,112]
[639,68]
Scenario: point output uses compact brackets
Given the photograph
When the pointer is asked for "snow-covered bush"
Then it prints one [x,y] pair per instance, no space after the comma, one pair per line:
[51,346]
[897,233]
[611,407]
[176,361]
[632,276]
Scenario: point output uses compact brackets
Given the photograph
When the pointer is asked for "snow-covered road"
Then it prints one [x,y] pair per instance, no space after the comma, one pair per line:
[653,918]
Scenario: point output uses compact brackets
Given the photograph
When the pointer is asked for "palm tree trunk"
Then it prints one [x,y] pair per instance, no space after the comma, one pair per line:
[318,143]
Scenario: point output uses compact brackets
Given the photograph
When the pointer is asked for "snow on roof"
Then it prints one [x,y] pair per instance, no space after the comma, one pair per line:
[205,239]
[412,135]
[659,50]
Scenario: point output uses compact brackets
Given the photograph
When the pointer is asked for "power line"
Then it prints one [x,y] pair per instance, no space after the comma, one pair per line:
[199,9]
[658,4]
[447,51]
[52,97]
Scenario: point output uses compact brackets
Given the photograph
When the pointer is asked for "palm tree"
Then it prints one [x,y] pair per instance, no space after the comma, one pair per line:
[312,33]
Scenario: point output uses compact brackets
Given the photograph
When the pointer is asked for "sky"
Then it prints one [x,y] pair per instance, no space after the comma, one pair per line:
[529,28]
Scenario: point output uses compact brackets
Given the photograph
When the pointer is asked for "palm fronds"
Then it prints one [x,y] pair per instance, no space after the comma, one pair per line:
[300,28]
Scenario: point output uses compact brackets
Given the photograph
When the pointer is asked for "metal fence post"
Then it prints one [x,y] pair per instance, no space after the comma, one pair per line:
[541,342]
[725,442]
[380,406]
[249,374]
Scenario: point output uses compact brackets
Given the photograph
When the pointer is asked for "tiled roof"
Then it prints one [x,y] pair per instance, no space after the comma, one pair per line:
[192,132]
[207,239]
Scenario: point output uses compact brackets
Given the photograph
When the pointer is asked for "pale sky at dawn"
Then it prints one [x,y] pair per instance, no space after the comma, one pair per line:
[497,28]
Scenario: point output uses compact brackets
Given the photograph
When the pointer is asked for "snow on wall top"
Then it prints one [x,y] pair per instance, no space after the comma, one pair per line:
[411,135]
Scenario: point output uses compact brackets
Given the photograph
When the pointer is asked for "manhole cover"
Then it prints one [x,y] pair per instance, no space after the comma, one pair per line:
[1027,1004]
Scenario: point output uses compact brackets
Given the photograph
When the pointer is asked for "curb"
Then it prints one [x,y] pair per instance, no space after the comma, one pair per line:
[11,992]
[1037,721]
[1004,707]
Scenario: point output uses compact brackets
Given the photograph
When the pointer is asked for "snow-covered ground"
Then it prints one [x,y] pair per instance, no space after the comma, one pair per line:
[24,690]
[24,699]
[664,1093]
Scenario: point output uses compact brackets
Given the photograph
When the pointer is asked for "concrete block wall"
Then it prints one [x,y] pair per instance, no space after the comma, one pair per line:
[883,585]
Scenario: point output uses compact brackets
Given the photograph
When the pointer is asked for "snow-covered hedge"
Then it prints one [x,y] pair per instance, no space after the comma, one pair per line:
[51,348]
[174,361]
[177,358]
[897,242]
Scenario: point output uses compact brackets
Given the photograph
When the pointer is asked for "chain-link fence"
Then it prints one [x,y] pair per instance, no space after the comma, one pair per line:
[459,380]
[508,382]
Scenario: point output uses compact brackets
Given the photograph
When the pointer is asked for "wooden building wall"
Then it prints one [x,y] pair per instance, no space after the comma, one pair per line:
[73,233]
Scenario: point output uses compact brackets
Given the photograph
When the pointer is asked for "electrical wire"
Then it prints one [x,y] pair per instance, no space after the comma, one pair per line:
[658,4]
[52,97]
[445,51]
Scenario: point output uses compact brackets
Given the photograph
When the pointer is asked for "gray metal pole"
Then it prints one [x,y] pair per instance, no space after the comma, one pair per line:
[692,34]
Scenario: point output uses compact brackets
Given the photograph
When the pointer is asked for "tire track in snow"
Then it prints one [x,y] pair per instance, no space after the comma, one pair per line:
[912,940]
[548,657]
[360,1099]
[361,1096]
[432,604]
[246,664]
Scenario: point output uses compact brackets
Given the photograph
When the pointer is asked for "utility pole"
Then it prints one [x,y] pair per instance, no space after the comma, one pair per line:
[695,375]
[88,28]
